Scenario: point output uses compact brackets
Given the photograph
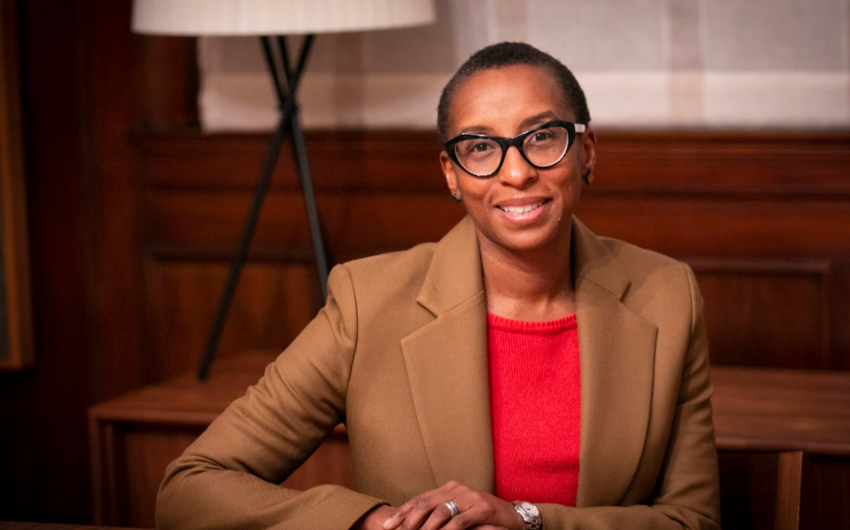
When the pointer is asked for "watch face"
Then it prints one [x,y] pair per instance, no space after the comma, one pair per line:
[531,509]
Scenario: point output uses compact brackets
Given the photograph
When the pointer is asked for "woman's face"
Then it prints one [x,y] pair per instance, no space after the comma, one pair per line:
[520,208]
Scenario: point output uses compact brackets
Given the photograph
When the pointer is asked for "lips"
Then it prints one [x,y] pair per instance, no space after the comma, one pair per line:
[523,212]
[518,207]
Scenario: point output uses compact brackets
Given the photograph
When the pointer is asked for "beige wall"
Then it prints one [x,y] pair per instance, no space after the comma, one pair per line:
[642,63]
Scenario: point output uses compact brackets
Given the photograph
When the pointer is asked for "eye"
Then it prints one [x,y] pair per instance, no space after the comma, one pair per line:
[543,135]
[477,147]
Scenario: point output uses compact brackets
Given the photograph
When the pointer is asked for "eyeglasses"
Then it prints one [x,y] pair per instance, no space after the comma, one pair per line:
[482,155]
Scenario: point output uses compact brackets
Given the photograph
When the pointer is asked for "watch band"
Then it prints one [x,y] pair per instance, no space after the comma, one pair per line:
[530,514]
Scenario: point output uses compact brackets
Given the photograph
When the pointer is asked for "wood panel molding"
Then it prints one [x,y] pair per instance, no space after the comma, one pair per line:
[740,164]
[763,217]
[754,299]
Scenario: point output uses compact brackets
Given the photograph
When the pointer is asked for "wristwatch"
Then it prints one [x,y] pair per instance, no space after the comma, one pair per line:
[530,514]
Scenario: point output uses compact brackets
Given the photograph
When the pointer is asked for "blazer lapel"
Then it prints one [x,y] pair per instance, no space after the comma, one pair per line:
[446,364]
[617,352]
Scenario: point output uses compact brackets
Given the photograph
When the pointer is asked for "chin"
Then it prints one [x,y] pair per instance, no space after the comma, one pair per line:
[528,240]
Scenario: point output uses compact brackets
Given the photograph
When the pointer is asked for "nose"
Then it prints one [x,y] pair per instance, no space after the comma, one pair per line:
[516,171]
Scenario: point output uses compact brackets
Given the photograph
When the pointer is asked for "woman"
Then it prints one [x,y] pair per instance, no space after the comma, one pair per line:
[521,373]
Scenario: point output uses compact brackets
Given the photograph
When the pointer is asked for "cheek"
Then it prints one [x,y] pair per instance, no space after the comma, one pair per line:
[474,188]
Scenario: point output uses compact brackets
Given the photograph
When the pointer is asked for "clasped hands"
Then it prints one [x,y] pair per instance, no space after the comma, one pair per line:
[476,509]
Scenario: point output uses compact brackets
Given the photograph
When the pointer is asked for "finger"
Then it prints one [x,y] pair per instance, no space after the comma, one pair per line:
[394,520]
[438,517]
[398,516]
[416,511]
[474,515]
[411,514]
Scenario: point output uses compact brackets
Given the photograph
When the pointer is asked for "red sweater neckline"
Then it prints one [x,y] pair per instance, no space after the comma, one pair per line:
[547,327]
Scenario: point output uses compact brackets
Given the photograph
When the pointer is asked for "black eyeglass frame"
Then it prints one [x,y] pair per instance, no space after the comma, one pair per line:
[573,130]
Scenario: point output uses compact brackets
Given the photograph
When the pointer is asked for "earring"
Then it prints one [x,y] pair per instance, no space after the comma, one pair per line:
[457,197]
[587,177]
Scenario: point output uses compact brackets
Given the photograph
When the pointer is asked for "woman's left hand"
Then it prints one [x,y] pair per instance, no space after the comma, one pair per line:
[428,511]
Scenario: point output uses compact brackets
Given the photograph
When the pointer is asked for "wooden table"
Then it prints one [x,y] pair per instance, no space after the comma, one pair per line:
[779,410]
[757,413]
[133,438]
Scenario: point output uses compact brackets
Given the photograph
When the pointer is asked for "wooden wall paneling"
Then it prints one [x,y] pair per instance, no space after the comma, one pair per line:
[840,309]
[111,457]
[631,164]
[166,83]
[746,303]
[721,162]
[98,463]
[739,199]
[16,333]
[740,228]
[86,81]
[354,222]
[46,405]
[762,491]
[112,195]
[749,486]
[789,489]
[142,454]
[825,477]
[360,161]
[273,303]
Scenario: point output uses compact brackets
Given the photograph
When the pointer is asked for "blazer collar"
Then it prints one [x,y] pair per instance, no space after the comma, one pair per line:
[617,361]
[446,362]
[455,273]
[592,261]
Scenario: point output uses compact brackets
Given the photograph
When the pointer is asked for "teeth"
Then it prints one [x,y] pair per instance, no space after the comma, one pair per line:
[520,209]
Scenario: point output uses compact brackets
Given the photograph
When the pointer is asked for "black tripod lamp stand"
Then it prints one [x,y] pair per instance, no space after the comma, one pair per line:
[270,20]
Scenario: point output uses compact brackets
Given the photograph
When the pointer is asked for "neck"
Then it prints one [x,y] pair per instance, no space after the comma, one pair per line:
[530,285]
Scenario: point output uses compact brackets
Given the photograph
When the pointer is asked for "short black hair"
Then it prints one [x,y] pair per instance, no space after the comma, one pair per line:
[506,54]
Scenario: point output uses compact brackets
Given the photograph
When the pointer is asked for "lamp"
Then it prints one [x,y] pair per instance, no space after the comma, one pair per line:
[271,20]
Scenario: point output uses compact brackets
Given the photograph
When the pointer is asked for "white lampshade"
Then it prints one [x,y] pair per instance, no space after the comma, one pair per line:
[276,17]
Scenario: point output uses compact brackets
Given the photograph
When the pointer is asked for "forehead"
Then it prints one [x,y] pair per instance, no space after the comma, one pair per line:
[501,98]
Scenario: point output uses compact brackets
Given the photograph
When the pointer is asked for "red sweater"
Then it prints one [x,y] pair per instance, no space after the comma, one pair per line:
[535,408]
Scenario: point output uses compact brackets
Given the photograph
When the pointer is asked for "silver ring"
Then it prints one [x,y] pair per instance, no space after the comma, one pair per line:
[452,508]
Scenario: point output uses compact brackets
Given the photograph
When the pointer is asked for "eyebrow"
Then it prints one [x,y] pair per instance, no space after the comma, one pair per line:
[524,124]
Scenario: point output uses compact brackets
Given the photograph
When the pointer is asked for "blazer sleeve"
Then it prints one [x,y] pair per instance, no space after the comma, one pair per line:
[687,493]
[228,478]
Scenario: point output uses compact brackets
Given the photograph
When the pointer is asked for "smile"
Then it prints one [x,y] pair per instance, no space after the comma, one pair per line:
[516,210]
[521,215]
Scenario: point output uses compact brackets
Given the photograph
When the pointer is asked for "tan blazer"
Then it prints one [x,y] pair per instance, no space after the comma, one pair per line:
[399,354]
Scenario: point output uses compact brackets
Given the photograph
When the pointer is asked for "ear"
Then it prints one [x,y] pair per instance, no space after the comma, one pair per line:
[449,173]
[588,145]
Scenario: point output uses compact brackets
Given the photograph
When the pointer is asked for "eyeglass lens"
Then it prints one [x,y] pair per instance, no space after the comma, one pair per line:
[543,148]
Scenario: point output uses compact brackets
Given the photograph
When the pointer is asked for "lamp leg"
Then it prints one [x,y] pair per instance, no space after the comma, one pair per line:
[238,260]
[324,261]
[289,122]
